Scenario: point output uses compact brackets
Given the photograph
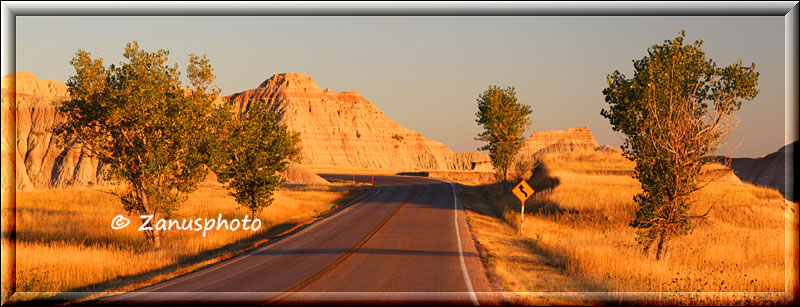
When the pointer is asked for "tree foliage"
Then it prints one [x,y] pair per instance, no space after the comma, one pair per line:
[504,121]
[524,166]
[137,118]
[675,111]
[253,152]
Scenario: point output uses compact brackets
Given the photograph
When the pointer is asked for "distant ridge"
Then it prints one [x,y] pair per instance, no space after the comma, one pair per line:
[775,170]
[572,139]
[337,129]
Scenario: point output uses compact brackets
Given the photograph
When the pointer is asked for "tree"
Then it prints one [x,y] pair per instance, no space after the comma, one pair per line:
[504,121]
[135,118]
[524,166]
[675,111]
[251,156]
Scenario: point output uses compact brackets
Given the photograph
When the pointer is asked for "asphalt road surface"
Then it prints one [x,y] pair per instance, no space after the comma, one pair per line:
[405,242]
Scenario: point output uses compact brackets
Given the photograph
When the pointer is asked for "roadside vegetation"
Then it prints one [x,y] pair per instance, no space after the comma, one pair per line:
[504,121]
[675,112]
[596,217]
[135,118]
[577,238]
[65,242]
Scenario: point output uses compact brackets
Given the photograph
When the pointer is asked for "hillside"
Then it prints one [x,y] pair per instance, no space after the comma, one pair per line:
[43,163]
[772,170]
[40,161]
[576,235]
[572,139]
[345,130]
[338,131]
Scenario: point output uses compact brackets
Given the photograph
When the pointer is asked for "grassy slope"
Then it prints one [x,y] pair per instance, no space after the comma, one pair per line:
[65,242]
[576,236]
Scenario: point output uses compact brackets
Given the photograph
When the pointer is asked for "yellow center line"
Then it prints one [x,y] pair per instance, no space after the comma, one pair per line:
[339,261]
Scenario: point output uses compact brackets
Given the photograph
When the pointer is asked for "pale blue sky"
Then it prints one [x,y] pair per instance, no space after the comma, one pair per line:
[426,72]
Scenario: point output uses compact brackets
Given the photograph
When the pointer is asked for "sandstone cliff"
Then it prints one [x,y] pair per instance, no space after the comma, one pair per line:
[346,130]
[337,129]
[572,139]
[40,161]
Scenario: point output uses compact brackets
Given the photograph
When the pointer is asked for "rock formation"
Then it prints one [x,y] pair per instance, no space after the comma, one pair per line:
[572,139]
[346,130]
[775,170]
[608,148]
[337,129]
[297,174]
[473,161]
[40,161]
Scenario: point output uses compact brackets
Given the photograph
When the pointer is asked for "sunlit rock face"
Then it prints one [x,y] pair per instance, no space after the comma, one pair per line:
[344,129]
[572,139]
[336,130]
[40,160]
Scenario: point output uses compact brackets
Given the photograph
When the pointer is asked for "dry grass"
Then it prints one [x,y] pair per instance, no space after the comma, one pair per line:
[5,253]
[513,264]
[579,219]
[65,242]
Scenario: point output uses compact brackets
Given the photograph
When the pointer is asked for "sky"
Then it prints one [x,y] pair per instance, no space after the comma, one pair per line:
[427,72]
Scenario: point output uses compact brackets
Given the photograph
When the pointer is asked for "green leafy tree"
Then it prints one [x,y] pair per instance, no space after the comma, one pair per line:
[675,111]
[504,121]
[136,118]
[253,153]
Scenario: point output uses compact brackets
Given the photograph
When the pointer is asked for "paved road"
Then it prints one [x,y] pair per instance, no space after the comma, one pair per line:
[407,241]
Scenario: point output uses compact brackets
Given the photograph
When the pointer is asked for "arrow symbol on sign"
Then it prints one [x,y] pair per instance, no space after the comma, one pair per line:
[521,189]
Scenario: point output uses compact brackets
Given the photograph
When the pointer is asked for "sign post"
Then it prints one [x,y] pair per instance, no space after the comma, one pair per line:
[523,191]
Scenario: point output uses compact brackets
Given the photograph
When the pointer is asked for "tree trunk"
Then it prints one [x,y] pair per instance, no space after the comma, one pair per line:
[505,181]
[153,236]
[156,238]
[253,206]
[646,249]
[662,251]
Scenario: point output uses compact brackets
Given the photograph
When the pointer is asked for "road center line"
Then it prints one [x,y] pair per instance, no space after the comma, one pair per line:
[339,261]
[254,251]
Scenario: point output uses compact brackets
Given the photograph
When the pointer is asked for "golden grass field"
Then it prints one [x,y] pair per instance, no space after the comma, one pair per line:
[65,242]
[576,236]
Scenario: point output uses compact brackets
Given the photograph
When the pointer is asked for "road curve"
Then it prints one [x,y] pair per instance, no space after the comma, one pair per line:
[405,242]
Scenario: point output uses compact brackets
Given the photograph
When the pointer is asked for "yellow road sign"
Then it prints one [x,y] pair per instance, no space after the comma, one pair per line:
[522,191]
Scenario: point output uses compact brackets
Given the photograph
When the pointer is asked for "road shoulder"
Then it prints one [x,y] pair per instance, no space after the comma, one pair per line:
[513,263]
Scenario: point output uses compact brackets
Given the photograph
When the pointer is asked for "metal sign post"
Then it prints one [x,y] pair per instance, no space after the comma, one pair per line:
[523,191]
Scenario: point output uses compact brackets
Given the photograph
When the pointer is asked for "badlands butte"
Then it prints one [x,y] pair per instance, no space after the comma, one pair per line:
[338,131]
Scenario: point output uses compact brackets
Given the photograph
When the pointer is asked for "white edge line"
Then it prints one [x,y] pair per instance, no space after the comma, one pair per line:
[461,251]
